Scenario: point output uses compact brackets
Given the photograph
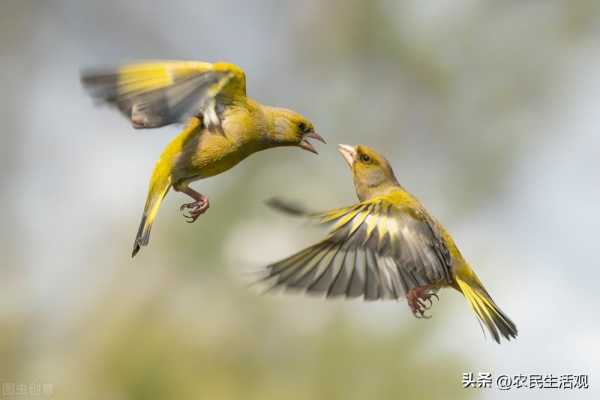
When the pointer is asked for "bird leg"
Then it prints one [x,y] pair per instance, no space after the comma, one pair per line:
[195,208]
[419,300]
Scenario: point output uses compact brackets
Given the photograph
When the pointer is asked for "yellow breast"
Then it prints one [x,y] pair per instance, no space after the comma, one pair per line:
[200,153]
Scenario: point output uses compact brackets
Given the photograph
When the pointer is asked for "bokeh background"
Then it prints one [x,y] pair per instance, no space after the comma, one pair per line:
[487,110]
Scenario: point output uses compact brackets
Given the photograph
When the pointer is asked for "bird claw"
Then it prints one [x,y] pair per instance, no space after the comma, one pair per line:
[419,301]
[420,313]
[195,208]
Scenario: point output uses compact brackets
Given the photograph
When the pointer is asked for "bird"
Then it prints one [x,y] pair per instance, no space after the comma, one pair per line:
[222,125]
[386,246]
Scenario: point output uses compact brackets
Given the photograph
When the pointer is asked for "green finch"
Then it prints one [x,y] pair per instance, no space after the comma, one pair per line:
[222,125]
[387,246]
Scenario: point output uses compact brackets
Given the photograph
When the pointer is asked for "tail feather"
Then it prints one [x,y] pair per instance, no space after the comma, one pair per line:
[287,207]
[488,313]
[156,194]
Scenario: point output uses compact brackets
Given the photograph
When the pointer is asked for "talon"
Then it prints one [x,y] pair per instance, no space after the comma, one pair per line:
[196,209]
[188,205]
[420,300]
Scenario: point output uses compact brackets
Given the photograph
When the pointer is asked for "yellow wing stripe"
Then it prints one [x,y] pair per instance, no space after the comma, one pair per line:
[392,228]
[345,219]
[371,223]
[382,221]
[360,217]
[149,76]
[157,75]
[335,214]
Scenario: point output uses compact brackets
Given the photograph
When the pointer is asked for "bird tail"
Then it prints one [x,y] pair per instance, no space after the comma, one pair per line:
[159,186]
[287,207]
[488,313]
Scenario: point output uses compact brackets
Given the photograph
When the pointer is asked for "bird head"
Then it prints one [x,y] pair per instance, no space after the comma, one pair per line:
[292,129]
[371,172]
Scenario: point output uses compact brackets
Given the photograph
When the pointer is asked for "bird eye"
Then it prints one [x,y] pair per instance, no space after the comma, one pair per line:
[302,127]
[365,158]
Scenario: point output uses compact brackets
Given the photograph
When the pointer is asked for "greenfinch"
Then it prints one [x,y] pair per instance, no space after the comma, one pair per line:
[222,125]
[385,247]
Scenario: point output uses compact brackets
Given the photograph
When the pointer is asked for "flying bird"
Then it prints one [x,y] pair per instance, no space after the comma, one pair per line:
[222,125]
[387,246]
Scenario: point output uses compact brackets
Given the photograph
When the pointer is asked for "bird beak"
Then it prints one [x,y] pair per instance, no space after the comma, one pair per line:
[348,152]
[315,135]
[305,144]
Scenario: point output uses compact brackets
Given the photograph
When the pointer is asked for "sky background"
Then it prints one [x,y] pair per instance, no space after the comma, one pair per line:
[486,110]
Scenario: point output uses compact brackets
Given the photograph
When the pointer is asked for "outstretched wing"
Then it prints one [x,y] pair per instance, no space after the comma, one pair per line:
[375,250]
[154,94]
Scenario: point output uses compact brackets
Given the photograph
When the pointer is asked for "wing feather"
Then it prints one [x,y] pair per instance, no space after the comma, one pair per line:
[328,273]
[375,250]
[356,283]
[155,94]
[340,283]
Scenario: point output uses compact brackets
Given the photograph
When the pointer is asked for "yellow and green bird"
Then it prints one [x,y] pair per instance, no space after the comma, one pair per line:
[223,125]
[385,247]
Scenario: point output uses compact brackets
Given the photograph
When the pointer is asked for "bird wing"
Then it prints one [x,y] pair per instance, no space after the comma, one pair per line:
[375,249]
[159,93]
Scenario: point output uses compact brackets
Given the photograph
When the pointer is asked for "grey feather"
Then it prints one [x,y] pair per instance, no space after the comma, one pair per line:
[359,262]
[159,107]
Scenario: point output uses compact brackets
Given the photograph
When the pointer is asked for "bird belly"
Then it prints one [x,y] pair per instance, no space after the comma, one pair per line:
[206,155]
[216,159]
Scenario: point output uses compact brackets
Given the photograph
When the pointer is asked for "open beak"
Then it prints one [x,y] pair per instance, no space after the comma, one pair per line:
[305,144]
[348,152]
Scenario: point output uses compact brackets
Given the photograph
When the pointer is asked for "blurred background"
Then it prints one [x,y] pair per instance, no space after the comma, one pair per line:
[487,111]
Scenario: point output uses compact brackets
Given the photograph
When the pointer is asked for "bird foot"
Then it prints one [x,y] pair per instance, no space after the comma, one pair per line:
[195,209]
[419,300]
